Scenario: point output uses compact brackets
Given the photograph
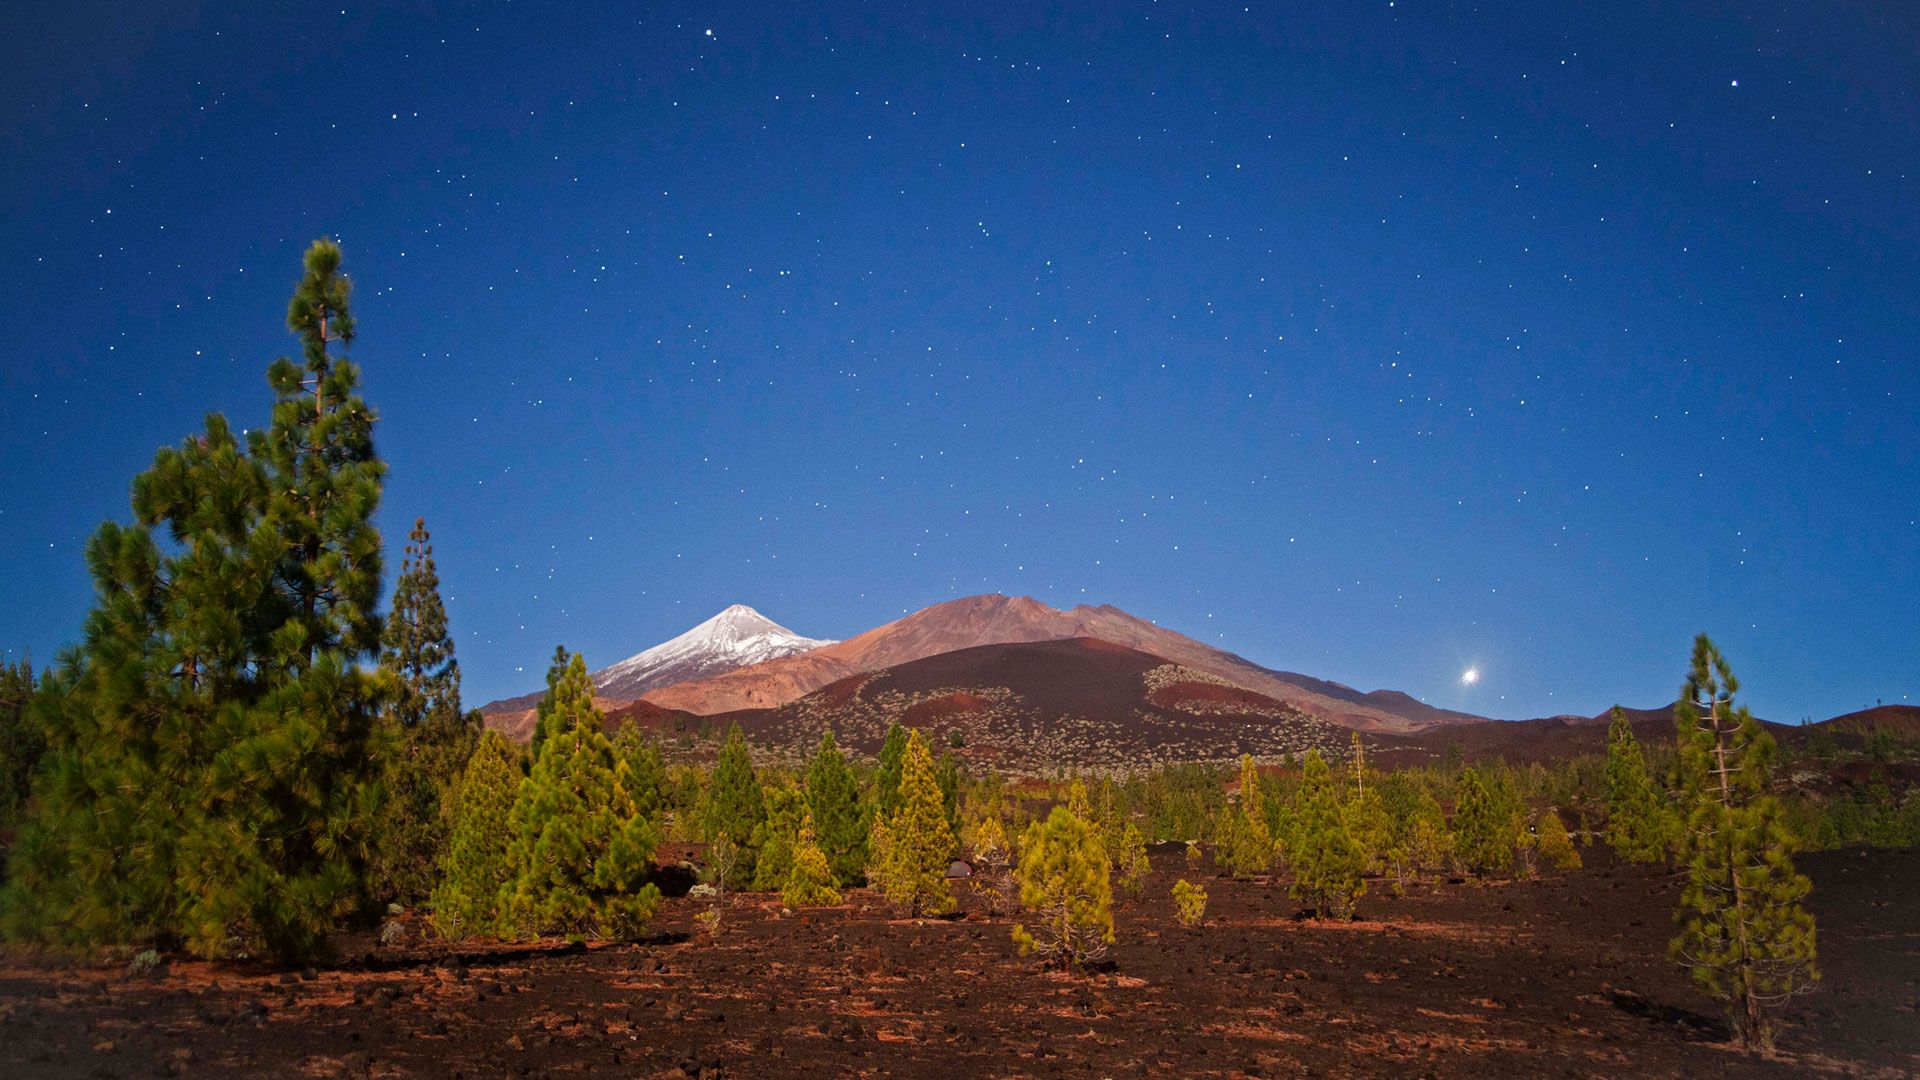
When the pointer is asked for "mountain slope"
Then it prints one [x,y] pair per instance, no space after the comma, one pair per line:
[735,638]
[1036,706]
[995,620]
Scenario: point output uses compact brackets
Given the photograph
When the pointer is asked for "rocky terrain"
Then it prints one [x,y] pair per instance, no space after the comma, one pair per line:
[1564,976]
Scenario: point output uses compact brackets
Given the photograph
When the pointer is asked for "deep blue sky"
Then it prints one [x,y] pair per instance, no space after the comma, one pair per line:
[1373,340]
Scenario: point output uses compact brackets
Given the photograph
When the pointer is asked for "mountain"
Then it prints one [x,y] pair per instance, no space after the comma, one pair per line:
[997,620]
[1033,707]
[735,638]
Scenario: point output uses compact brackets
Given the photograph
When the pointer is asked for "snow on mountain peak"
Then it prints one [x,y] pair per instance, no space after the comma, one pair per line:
[734,638]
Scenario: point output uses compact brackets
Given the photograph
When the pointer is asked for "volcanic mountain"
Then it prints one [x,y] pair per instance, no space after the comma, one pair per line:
[1037,706]
[997,620]
[735,638]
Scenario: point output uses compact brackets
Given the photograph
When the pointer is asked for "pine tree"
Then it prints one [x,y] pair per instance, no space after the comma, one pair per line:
[581,852]
[212,767]
[1189,903]
[992,861]
[1482,834]
[880,857]
[1129,859]
[1429,840]
[1369,826]
[1555,846]
[1326,864]
[21,743]
[734,809]
[920,841]
[473,864]
[543,709]
[1228,823]
[777,836]
[1744,935]
[430,737]
[840,822]
[886,782]
[1251,851]
[1065,881]
[1524,842]
[1638,825]
[810,882]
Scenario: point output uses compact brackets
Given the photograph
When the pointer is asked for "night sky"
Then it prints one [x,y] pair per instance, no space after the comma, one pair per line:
[1374,341]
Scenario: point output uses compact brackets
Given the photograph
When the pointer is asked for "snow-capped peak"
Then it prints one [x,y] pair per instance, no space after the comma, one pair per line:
[734,638]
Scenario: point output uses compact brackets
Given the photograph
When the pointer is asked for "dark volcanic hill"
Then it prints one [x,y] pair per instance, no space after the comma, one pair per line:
[995,620]
[1036,706]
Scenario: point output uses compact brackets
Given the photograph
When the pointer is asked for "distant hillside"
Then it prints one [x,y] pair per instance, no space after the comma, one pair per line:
[1037,706]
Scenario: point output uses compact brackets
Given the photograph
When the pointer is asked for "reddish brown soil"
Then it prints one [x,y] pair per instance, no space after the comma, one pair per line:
[1562,977]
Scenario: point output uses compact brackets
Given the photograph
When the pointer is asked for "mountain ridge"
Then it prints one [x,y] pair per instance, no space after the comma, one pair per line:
[996,619]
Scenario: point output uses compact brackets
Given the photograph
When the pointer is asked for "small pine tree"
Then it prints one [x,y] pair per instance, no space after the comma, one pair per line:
[1130,863]
[428,735]
[1744,935]
[777,836]
[1556,847]
[1194,855]
[1482,833]
[473,865]
[1189,903]
[920,840]
[735,809]
[992,861]
[1639,826]
[1326,864]
[880,857]
[810,881]
[1227,826]
[1065,880]
[1523,842]
[1429,840]
[581,852]
[840,822]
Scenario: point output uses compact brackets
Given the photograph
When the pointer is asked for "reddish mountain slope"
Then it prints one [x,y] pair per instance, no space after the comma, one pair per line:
[1036,706]
[994,619]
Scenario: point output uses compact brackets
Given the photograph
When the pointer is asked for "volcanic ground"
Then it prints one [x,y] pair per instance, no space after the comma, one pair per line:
[1563,976]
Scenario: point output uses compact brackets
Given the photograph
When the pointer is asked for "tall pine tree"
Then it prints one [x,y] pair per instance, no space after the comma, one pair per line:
[429,737]
[213,756]
[1743,934]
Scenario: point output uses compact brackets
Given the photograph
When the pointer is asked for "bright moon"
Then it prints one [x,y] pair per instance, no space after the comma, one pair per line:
[1470,676]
